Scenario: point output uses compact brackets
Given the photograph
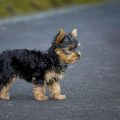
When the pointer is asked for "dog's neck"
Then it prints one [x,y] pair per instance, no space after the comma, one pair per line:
[56,63]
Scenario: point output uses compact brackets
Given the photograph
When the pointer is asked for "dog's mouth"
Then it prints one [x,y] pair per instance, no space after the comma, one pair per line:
[75,60]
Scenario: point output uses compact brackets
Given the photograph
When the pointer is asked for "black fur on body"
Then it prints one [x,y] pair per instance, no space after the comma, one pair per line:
[28,64]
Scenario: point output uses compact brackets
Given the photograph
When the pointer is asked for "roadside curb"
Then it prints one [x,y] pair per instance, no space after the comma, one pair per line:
[43,15]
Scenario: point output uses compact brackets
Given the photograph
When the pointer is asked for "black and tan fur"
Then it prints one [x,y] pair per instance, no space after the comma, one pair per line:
[42,69]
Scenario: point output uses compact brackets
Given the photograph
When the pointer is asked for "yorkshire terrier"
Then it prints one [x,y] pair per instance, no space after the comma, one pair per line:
[40,68]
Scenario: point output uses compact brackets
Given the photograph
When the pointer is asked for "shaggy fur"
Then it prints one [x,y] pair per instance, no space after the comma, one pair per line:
[37,67]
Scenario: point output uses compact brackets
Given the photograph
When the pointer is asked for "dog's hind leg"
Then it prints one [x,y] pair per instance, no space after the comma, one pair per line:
[4,92]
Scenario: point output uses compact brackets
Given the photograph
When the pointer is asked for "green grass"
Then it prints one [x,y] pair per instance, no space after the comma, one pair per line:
[20,7]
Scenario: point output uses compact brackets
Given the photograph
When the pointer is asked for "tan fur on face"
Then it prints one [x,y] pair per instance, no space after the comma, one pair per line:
[4,93]
[66,58]
[39,92]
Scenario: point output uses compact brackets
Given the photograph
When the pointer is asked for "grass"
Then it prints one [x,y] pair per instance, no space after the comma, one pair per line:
[20,7]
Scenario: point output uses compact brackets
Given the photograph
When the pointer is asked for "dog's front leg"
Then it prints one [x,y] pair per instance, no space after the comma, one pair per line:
[39,90]
[56,91]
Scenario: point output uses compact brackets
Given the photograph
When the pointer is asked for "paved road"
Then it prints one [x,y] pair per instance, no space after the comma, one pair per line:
[92,85]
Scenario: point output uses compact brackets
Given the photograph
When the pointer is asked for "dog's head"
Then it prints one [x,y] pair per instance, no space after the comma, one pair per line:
[66,46]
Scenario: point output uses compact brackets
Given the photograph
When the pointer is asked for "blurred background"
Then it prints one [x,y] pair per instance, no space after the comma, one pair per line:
[92,85]
[21,7]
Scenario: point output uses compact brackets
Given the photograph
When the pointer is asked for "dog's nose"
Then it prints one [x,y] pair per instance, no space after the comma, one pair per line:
[79,53]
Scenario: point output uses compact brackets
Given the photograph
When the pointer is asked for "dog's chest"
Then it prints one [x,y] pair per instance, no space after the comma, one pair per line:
[51,75]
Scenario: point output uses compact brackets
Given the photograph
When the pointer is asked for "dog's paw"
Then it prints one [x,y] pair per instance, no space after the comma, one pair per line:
[5,96]
[59,97]
[42,98]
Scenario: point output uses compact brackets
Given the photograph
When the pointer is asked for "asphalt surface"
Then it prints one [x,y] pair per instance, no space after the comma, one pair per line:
[92,85]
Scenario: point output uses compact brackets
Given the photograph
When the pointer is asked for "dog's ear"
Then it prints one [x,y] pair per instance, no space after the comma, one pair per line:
[74,33]
[60,36]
